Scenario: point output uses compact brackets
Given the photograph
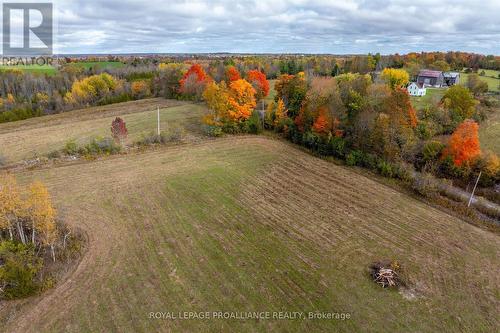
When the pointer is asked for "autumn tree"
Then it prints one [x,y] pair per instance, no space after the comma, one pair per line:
[463,145]
[395,78]
[231,104]
[42,215]
[460,102]
[119,130]
[259,83]
[232,74]
[216,97]
[167,82]
[194,81]
[22,211]
[91,89]
[241,99]
[140,89]
[440,65]
[275,113]
[476,85]
[280,112]
[321,124]
[292,89]
[399,106]
[11,206]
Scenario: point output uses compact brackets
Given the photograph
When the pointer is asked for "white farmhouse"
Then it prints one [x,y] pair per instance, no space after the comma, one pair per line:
[416,89]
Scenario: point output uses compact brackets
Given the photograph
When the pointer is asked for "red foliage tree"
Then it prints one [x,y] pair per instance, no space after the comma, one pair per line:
[259,82]
[232,74]
[463,146]
[119,129]
[194,80]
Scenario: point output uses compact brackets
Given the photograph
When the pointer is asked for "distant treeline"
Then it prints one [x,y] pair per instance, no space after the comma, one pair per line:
[27,94]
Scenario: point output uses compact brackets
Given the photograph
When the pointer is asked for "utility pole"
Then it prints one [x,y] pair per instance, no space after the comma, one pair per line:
[474,189]
[158,117]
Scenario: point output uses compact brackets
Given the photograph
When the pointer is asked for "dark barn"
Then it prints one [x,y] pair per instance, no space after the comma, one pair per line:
[430,78]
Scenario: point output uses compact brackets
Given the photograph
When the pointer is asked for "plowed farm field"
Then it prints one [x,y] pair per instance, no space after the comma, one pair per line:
[251,224]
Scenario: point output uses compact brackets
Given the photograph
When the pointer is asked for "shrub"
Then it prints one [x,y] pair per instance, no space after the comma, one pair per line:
[404,171]
[427,129]
[385,169]
[354,158]
[370,161]
[254,123]
[489,164]
[175,134]
[337,146]
[310,140]
[425,184]
[100,146]
[3,160]
[70,148]
[212,130]
[19,270]
[432,150]
[54,154]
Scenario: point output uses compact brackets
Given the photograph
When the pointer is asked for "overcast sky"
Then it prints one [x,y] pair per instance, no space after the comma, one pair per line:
[292,26]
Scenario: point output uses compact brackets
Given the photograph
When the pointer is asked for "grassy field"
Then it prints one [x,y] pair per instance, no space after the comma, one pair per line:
[432,96]
[491,78]
[489,133]
[39,136]
[98,64]
[39,69]
[242,223]
[254,224]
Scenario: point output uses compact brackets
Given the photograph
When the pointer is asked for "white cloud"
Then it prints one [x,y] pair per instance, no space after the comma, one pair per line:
[326,26]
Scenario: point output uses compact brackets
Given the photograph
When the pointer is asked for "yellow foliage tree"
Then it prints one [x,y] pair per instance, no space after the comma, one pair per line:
[10,98]
[395,78]
[91,88]
[32,210]
[281,112]
[42,213]
[217,98]
[11,206]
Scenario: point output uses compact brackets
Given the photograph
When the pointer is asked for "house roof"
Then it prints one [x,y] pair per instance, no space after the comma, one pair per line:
[429,73]
[419,85]
[451,74]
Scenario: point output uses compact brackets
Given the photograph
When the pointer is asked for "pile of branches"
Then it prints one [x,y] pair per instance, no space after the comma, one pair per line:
[386,273]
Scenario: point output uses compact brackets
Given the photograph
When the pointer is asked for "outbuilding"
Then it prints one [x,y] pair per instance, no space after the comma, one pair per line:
[429,78]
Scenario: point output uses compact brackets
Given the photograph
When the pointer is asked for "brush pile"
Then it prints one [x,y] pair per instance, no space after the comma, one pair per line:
[385,273]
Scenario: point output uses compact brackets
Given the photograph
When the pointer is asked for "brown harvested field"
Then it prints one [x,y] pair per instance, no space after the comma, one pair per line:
[254,224]
[39,136]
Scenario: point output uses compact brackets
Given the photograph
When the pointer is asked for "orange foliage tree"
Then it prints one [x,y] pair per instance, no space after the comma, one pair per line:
[321,124]
[242,99]
[140,89]
[229,104]
[463,146]
[259,82]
